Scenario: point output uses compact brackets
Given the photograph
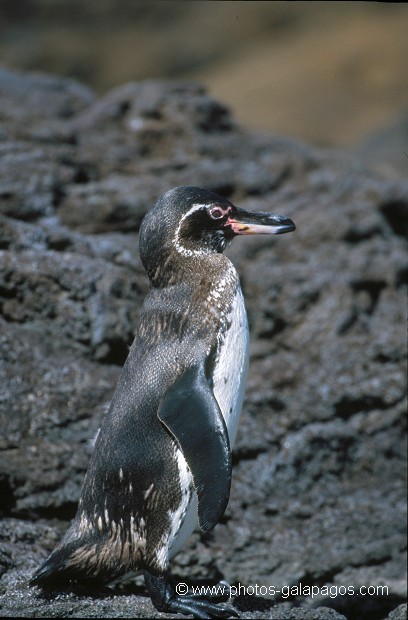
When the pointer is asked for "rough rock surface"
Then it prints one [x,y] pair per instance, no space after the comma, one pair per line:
[318,494]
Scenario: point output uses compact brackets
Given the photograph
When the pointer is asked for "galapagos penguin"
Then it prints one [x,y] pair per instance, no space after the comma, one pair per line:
[162,459]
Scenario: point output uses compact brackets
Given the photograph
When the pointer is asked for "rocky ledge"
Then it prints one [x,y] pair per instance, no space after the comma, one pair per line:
[318,496]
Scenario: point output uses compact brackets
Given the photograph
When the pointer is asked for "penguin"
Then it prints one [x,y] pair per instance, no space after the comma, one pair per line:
[161,463]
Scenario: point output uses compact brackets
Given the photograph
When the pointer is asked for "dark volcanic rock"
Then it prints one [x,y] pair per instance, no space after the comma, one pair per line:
[318,496]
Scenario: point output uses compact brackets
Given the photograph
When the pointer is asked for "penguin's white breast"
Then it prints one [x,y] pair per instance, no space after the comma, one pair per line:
[231,365]
[229,379]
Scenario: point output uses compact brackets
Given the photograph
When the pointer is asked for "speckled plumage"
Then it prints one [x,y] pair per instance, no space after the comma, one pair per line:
[139,499]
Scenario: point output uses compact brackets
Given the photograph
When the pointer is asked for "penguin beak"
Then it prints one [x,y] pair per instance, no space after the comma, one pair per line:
[246,223]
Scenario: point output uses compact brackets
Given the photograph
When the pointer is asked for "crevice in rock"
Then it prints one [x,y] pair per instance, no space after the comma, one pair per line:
[373,288]
[357,235]
[63,512]
[278,325]
[247,454]
[401,277]
[58,194]
[8,500]
[113,351]
[362,307]
[396,214]
[347,406]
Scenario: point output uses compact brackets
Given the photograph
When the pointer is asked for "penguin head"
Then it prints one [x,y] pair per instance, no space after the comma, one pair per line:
[191,222]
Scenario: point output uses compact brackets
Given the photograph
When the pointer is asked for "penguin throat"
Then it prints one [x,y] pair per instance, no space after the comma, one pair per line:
[206,243]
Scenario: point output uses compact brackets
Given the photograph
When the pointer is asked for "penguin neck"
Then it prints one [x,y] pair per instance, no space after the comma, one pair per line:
[178,268]
[197,295]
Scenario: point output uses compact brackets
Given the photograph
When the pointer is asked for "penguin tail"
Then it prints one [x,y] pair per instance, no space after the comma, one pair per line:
[62,569]
[42,575]
[51,574]
[72,566]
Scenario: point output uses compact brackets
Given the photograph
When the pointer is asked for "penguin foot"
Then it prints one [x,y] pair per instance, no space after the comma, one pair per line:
[165,599]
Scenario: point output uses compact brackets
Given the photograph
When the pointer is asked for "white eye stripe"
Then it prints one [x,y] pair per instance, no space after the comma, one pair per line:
[195,207]
[176,240]
[181,249]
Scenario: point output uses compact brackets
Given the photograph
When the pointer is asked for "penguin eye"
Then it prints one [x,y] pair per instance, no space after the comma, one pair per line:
[216,213]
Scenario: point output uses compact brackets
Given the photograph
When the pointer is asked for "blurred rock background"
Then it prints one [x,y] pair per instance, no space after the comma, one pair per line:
[319,489]
[332,73]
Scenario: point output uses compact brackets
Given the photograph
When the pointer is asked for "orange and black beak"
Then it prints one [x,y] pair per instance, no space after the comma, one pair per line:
[242,222]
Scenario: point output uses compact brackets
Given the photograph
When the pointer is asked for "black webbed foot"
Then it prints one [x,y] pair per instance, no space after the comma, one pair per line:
[165,599]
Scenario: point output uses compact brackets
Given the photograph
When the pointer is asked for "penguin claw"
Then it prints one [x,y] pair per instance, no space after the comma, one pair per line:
[164,599]
[199,608]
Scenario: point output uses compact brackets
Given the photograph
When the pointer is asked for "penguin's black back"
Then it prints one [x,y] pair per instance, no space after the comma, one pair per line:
[129,489]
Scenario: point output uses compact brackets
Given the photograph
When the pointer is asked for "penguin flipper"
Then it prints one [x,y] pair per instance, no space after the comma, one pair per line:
[192,415]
